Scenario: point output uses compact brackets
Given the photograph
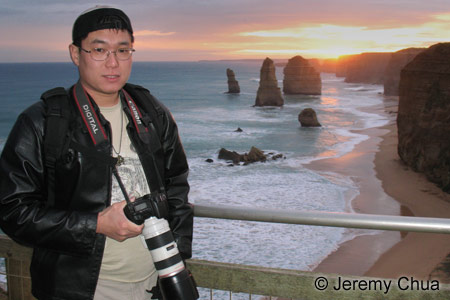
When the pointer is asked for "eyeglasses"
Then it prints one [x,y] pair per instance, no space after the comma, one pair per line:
[101,54]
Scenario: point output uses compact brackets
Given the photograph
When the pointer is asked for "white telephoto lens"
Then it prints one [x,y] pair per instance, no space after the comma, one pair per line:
[162,246]
[154,227]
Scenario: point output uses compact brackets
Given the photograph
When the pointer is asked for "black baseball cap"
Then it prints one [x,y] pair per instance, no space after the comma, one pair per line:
[98,18]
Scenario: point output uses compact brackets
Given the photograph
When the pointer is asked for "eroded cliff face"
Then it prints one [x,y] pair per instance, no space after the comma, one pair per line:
[367,68]
[424,114]
[301,78]
[396,63]
[341,64]
[329,66]
[269,94]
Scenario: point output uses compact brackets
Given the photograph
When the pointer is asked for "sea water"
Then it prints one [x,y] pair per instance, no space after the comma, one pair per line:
[207,118]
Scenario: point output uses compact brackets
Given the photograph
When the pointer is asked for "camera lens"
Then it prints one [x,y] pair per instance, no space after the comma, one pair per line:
[162,246]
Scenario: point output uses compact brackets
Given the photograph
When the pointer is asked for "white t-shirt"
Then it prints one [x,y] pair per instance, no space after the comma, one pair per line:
[130,260]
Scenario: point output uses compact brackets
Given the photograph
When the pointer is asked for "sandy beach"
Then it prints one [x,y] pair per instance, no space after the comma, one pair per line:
[388,186]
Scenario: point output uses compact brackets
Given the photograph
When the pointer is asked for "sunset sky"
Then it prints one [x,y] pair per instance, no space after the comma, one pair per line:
[190,30]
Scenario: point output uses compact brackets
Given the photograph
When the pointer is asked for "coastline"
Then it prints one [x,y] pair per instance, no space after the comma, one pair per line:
[387,186]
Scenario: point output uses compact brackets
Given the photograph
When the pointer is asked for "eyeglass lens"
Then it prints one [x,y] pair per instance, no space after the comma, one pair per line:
[103,54]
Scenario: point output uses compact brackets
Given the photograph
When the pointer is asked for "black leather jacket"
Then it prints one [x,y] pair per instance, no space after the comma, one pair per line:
[67,250]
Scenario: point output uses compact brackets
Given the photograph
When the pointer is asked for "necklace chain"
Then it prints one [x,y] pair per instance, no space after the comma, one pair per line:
[121,133]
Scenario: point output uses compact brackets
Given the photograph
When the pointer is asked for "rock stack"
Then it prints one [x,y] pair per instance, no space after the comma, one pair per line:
[396,63]
[423,114]
[255,155]
[233,84]
[301,78]
[308,118]
[269,94]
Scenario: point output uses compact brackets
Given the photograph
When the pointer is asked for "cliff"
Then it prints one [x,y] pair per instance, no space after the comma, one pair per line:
[396,63]
[269,94]
[329,65]
[233,84]
[341,64]
[301,78]
[423,119]
[367,68]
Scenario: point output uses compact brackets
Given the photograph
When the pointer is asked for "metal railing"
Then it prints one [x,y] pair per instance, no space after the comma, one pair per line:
[347,220]
[295,284]
[254,280]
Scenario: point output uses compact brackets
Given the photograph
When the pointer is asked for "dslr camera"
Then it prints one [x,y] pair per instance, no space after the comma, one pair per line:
[147,206]
[175,280]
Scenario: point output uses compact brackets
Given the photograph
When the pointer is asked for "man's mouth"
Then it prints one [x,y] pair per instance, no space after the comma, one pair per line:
[112,78]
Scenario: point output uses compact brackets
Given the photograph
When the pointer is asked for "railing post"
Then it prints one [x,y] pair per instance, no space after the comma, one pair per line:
[19,281]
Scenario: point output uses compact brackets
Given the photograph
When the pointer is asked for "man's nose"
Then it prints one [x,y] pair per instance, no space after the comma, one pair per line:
[111,59]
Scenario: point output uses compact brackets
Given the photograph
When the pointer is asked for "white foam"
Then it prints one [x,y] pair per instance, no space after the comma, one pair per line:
[277,185]
[331,78]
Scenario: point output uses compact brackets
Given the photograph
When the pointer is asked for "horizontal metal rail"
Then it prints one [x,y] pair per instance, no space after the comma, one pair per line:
[318,218]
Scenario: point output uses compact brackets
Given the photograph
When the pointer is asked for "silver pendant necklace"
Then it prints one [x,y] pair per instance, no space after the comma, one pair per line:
[120,159]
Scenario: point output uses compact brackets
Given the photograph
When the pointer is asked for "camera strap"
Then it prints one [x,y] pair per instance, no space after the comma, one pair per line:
[98,133]
[90,118]
[92,121]
[122,187]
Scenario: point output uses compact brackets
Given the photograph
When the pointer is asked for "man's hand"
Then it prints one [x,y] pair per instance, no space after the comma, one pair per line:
[113,223]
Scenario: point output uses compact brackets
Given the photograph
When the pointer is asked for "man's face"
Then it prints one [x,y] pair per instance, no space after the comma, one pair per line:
[103,79]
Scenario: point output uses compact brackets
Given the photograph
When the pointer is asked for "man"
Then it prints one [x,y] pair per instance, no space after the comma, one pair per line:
[71,210]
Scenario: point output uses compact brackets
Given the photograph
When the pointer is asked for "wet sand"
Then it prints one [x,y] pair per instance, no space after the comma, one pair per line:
[387,186]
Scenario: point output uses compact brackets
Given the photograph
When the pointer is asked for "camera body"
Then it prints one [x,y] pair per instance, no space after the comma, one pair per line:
[153,205]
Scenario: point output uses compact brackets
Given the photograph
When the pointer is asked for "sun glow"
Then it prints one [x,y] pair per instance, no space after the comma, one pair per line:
[331,52]
[310,40]
[331,41]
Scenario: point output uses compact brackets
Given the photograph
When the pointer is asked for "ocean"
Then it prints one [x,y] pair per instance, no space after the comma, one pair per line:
[208,118]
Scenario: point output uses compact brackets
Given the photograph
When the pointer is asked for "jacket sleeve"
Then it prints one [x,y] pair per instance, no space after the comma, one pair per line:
[24,215]
[181,216]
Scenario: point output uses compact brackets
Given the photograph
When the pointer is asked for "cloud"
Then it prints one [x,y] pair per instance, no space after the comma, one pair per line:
[443,17]
[237,28]
[401,35]
[334,39]
[152,33]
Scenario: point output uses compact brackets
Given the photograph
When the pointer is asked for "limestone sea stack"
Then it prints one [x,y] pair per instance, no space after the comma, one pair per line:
[315,63]
[308,118]
[255,155]
[233,84]
[269,94]
[396,63]
[301,78]
[423,119]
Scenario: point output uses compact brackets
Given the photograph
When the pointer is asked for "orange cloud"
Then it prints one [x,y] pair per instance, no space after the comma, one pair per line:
[152,33]
[311,40]
[330,40]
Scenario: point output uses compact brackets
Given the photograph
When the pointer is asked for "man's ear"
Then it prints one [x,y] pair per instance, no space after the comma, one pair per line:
[74,52]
